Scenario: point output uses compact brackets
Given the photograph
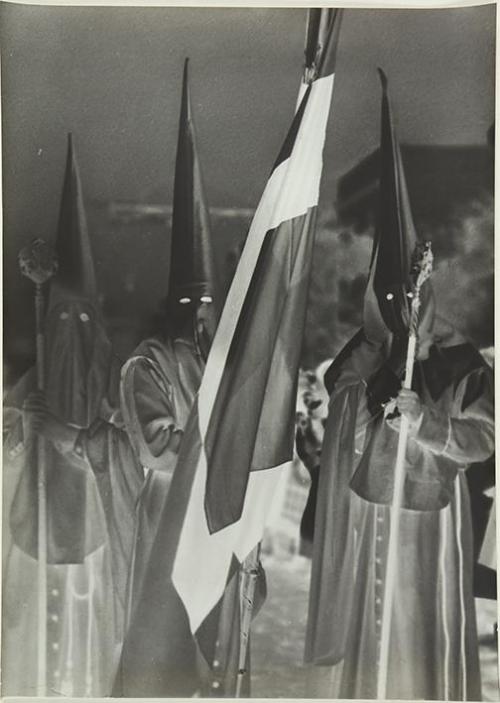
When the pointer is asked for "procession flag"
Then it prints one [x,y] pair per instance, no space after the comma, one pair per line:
[244,415]
[240,432]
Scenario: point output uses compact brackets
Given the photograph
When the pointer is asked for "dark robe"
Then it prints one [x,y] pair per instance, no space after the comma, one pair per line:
[92,491]
[433,645]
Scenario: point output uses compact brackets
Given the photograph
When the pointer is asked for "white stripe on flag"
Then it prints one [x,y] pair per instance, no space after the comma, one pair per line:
[292,189]
[209,556]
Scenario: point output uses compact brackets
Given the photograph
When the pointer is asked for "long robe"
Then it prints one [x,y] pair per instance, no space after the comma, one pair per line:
[159,384]
[433,643]
[91,517]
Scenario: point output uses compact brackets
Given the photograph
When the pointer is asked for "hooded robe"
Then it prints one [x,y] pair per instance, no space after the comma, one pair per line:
[158,388]
[159,383]
[433,643]
[88,555]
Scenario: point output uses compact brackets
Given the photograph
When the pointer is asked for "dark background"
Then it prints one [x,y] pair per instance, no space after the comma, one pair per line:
[112,77]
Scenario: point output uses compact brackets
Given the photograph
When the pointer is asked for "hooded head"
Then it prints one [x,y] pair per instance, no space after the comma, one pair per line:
[78,351]
[78,359]
[390,283]
[192,301]
[434,330]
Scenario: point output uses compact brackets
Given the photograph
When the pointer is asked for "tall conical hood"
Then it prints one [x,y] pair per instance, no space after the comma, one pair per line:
[77,373]
[78,351]
[192,276]
[390,282]
[76,272]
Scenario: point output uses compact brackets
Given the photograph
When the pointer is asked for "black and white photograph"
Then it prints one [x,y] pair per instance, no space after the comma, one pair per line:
[248,351]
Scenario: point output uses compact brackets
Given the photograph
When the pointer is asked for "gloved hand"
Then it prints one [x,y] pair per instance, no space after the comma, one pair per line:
[408,404]
[383,385]
[38,420]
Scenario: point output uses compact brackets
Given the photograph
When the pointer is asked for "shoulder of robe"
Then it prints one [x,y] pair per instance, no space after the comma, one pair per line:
[160,351]
[452,366]
[462,360]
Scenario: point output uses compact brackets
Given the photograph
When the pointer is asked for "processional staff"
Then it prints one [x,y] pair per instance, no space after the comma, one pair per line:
[37,262]
[249,573]
[424,267]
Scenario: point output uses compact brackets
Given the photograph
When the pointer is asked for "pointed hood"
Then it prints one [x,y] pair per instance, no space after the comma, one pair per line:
[387,301]
[78,351]
[77,379]
[76,271]
[192,276]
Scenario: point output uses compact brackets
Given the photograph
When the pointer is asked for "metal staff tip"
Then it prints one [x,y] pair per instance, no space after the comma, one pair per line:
[38,261]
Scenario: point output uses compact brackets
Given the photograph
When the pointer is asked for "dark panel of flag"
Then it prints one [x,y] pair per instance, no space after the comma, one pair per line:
[289,142]
[259,383]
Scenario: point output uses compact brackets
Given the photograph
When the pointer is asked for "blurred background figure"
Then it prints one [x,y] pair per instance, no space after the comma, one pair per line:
[86,577]
[449,409]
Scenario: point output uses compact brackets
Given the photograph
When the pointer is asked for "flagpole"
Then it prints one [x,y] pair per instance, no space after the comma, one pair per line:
[37,262]
[399,475]
[248,574]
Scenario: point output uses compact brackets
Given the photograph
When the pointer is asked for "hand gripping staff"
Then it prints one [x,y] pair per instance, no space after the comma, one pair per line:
[424,268]
[38,263]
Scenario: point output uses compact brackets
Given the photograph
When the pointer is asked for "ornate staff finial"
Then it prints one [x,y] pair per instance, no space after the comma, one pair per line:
[423,263]
[37,261]
[421,270]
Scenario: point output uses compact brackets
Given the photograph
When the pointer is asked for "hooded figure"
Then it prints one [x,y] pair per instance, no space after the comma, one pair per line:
[86,577]
[433,648]
[159,384]
[161,378]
